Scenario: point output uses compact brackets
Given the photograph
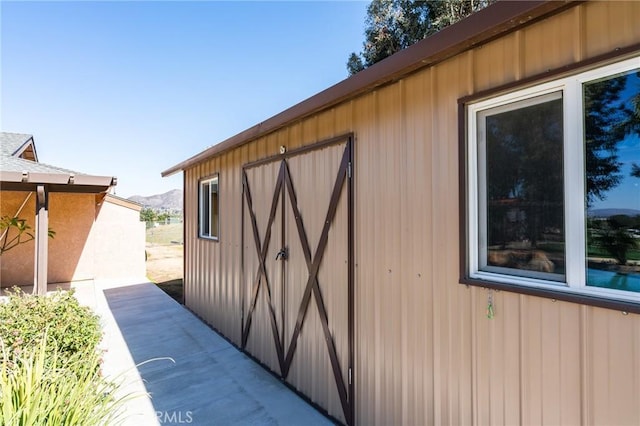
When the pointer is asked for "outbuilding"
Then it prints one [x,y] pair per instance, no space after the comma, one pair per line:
[430,241]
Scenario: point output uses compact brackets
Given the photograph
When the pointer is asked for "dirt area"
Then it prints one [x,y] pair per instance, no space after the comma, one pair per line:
[164,262]
[164,259]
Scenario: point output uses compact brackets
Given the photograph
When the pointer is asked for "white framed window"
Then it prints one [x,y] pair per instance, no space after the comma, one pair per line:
[553,185]
[209,209]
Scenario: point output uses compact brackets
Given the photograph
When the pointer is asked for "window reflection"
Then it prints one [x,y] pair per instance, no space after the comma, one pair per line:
[612,164]
[524,188]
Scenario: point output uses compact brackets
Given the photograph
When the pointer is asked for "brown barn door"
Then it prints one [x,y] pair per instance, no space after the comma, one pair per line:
[297,314]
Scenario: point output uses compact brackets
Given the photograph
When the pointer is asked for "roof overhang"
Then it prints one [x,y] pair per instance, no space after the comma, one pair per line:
[112,199]
[55,182]
[481,27]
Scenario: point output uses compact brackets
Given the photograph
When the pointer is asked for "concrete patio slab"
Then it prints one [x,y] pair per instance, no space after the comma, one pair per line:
[192,375]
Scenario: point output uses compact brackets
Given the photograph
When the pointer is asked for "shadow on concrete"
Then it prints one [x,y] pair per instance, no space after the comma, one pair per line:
[208,380]
[174,288]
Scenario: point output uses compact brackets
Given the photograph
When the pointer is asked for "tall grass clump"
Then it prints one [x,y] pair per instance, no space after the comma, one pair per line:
[33,391]
[50,366]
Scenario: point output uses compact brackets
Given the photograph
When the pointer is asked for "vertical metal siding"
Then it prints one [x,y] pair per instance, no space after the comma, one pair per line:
[494,64]
[610,26]
[549,44]
[425,352]
[313,175]
[417,341]
[364,122]
[384,235]
[262,182]
[450,303]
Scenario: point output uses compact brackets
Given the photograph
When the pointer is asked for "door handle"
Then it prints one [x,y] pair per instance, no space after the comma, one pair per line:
[282,254]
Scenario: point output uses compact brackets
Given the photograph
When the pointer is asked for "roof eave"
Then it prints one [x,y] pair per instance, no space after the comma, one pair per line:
[56,182]
[494,21]
[123,202]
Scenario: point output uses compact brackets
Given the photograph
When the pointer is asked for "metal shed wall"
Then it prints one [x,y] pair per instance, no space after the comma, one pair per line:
[425,352]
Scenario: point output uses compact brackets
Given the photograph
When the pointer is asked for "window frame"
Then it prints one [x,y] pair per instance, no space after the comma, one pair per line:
[201,183]
[480,218]
[574,287]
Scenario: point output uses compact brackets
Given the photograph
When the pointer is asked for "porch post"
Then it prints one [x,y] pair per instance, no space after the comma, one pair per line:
[41,241]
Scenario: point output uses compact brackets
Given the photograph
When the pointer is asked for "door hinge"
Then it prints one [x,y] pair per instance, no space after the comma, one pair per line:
[349,170]
[350,379]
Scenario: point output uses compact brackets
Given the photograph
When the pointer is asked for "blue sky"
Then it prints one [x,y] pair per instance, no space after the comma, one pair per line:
[129,89]
[627,193]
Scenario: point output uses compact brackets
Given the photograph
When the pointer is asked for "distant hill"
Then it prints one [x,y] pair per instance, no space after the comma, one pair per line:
[171,200]
[612,212]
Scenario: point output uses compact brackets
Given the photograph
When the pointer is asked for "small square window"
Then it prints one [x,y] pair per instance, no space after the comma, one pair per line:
[209,210]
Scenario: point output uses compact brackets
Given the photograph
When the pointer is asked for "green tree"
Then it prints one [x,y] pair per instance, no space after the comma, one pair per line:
[615,239]
[148,215]
[634,125]
[609,117]
[163,217]
[603,132]
[393,25]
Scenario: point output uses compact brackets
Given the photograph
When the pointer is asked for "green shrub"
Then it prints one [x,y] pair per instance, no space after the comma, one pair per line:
[35,392]
[71,328]
[50,363]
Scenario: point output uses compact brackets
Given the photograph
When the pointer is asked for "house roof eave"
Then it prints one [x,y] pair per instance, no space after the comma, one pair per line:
[56,182]
[123,202]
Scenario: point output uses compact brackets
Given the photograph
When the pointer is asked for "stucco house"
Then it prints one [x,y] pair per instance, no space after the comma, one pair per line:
[97,235]
[425,242]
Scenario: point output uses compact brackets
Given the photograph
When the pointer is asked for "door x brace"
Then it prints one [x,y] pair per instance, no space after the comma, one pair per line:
[312,285]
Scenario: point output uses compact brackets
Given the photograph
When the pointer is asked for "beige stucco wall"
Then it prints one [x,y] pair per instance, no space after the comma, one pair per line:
[16,266]
[119,239]
[71,216]
[92,241]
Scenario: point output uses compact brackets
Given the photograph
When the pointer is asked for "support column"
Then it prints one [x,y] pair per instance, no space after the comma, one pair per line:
[41,241]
